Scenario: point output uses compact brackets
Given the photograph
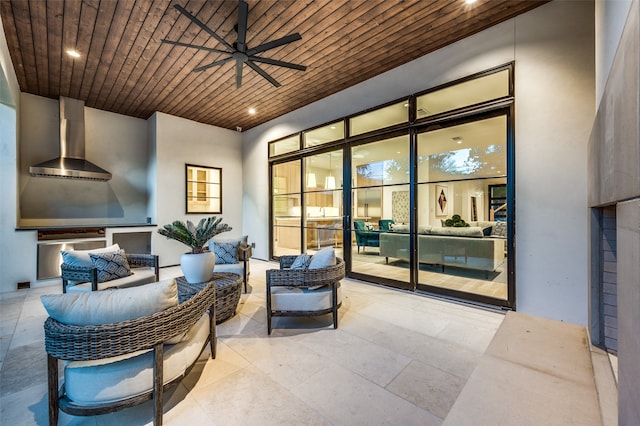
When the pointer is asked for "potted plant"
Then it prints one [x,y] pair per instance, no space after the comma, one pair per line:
[197,265]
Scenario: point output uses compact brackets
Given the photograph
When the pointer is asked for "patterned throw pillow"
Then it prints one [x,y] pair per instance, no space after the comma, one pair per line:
[499,230]
[301,262]
[226,253]
[110,266]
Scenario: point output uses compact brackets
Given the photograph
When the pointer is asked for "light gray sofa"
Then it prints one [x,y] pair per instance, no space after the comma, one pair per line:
[462,247]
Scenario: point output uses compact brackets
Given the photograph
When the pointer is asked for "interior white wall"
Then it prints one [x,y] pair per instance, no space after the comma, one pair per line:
[553,49]
[15,246]
[610,18]
[178,142]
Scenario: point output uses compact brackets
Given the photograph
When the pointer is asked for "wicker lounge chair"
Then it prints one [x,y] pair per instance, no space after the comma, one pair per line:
[148,333]
[306,292]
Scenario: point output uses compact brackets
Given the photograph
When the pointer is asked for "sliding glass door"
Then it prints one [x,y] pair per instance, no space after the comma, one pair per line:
[461,220]
[380,174]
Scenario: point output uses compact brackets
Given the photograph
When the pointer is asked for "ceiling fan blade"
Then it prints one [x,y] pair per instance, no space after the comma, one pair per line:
[278,63]
[243,13]
[260,71]
[238,74]
[213,64]
[203,26]
[208,49]
[275,43]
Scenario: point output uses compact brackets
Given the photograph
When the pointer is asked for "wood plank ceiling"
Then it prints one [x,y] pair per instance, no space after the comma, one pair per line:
[125,68]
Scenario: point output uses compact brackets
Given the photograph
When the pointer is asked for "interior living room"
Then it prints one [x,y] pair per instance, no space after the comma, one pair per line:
[475,166]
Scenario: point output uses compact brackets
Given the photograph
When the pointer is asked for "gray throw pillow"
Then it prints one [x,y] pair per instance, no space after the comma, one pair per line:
[110,266]
[226,253]
[323,259]
[301,262]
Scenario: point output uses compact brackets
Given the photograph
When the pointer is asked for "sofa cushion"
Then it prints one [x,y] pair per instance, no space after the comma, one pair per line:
[110,266]
[301,262]
[468,231]
[82,258]
[302,299]
[323,258]
[398,227]
[112,379]
[138,277]
[499,230]
[106,307]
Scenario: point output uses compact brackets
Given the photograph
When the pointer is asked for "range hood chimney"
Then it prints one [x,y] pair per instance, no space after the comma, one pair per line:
[71,163]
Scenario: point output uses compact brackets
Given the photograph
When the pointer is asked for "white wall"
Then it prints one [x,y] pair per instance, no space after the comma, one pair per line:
[115,142]
[553,49]
[178,142]
[610,18]
[15,246]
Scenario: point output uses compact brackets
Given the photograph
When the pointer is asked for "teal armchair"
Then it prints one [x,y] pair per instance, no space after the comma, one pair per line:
[365,238]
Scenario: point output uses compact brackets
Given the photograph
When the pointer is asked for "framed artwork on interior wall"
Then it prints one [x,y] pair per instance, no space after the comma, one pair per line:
[203,189]
[442,199]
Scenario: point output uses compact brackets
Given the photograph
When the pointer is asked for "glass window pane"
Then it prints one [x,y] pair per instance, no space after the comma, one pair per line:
[329,133]
[323,200]
[380,236]
[286,178]
[471,150]
[284,146]
[323,171]
[385,162]
[380,118]
[471,92]
[286,239]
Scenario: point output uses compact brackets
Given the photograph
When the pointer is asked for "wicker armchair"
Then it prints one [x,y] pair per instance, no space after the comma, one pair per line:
[95,342]
[81,274]
[297,283]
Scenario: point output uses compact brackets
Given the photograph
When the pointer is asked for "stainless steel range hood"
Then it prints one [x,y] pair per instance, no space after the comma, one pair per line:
[71,164]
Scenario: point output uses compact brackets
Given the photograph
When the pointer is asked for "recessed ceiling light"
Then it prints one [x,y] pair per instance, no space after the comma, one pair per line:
[333,127]
[469,1]
[406,105]
[73,53]
[252,111]
[457,139]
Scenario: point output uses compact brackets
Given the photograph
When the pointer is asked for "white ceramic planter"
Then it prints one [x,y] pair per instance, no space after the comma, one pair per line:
[197,268]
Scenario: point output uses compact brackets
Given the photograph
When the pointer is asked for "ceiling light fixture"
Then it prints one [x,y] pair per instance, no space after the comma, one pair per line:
[457,139]
[252,111]
[73,53]
[470,1]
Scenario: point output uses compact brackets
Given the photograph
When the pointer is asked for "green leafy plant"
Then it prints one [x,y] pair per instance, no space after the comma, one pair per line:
[456,221]
[194,236]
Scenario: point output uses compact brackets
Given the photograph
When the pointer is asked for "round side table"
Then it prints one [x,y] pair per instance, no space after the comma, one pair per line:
[228,291]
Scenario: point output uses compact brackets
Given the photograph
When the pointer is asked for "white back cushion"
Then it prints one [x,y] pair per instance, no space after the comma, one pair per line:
[109,306]
[82,258]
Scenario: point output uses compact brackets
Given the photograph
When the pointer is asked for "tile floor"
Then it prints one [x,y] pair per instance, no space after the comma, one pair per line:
[397,358]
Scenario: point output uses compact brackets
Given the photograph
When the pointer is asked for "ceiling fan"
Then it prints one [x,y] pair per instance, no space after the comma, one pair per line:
[239,51]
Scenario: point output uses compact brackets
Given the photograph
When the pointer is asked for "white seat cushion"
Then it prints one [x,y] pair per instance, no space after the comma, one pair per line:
[235,268]
[139,276]
[101,381]
[302,299]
